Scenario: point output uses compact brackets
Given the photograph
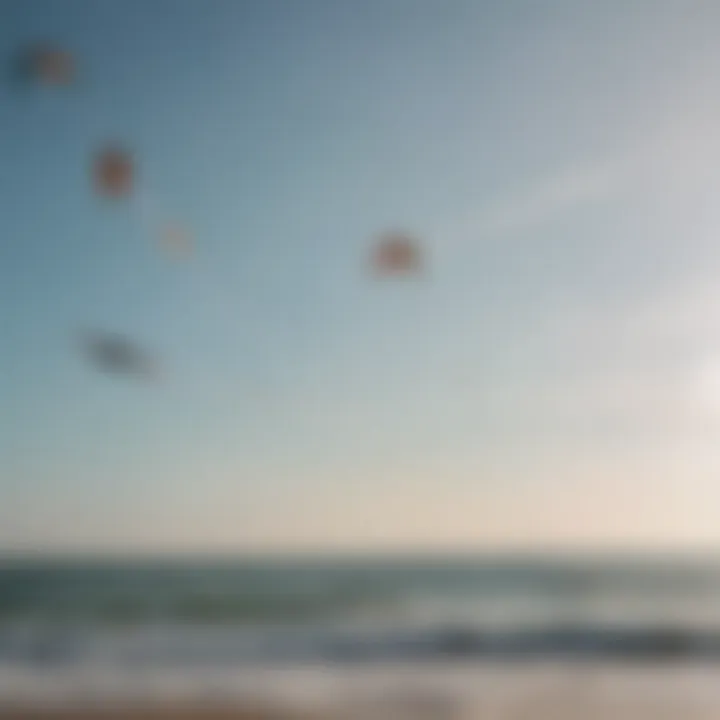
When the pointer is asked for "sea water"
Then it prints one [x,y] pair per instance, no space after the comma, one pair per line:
[311,628]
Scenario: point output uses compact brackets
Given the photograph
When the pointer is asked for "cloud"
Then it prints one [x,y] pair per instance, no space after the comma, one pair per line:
[677,156]
[552,196]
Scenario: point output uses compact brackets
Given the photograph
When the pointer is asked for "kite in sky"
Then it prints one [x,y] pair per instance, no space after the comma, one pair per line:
[396,254]
[113,172]
[176,241]
[116,354]
[44,64]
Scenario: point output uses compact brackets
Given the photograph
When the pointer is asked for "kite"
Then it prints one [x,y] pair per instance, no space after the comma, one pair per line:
[396,254]
[45,65]
[113,172]
[116,354]
[176,241]
[114,175]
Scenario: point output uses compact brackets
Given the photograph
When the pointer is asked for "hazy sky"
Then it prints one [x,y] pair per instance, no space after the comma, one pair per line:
[553,380]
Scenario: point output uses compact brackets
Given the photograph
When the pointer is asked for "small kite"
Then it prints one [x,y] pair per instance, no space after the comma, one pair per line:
[116,354]
[396,254]
[176,241]
[113,172]
[45,65]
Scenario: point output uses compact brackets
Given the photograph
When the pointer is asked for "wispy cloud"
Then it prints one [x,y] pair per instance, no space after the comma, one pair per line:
[553,195]
[678,155]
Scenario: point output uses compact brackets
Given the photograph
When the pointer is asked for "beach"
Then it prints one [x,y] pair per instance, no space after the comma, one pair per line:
[139,714]
[540,692]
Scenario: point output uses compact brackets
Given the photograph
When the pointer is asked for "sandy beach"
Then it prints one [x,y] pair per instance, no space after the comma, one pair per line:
[168,712]
[149,714]
[540,693]
[138,714]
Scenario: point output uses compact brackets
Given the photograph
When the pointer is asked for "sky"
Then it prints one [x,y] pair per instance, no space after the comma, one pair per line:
[551,380]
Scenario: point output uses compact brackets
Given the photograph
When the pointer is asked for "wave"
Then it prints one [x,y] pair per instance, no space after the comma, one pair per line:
[201,595]
[250,608]
[213,615]
[202,646]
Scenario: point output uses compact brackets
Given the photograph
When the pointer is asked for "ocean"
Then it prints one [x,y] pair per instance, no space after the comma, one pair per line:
[214,628]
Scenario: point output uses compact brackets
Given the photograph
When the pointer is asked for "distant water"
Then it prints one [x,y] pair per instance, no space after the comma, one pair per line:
[226,614]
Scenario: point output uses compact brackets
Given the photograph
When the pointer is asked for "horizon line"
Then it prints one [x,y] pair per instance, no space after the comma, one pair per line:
[530,554]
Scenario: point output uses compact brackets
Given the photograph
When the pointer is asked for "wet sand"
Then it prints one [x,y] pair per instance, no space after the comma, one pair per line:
[536,709]
[540,693]
[150,714]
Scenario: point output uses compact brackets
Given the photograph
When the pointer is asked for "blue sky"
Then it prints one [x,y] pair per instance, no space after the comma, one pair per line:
[554,378]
